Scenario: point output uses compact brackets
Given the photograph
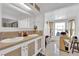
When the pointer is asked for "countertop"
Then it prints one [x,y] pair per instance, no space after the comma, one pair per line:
[7,45]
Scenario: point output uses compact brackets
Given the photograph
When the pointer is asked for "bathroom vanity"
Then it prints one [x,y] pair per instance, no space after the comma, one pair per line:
[21,46]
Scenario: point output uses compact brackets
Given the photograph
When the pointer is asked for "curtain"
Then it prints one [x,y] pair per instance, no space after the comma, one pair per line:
[71,27]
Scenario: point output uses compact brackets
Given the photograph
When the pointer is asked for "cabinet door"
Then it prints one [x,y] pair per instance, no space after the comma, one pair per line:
[16,52]
[24,50]
[31,49]
[39,44]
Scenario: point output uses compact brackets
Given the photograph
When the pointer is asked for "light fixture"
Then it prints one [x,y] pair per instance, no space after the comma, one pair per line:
[27,7]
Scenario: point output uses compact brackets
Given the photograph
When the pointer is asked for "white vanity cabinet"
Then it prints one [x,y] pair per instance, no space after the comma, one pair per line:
[12,51]
[24,50]
[33,47]
[28,48]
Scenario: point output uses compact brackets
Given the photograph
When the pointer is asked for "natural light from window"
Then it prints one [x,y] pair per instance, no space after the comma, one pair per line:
[59,27]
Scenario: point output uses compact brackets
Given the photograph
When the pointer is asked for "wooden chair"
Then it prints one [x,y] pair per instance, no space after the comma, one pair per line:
[64,44]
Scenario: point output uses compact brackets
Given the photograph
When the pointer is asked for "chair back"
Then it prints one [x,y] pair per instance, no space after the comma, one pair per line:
[75,38]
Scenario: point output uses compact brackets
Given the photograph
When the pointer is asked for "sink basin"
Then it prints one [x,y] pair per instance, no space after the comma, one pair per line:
[12,40]
[33,35]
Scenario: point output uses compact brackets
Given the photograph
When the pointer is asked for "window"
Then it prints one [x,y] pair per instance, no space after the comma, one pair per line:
[59,27]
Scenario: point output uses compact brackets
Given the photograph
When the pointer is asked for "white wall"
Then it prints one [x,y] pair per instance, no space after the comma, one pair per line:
[64,13]
[40,21]
[32,22]
[0,17]
[27,22]
[23,23]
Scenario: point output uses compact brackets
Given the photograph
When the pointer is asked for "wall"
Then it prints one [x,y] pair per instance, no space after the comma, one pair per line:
[23,23]
[32,22]
[40,21]
[0,16]
[71,12]
[27,22]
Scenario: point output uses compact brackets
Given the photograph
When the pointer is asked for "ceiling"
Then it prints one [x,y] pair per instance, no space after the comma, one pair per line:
[8,10]
[47,7]
[15,11]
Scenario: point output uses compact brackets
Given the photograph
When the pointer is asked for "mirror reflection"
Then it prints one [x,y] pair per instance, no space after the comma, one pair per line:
[9,22]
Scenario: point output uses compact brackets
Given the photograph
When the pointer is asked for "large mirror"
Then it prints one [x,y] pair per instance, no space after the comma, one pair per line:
[9,22]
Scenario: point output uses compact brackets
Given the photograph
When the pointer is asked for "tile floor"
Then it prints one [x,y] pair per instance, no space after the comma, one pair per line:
[52,49]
